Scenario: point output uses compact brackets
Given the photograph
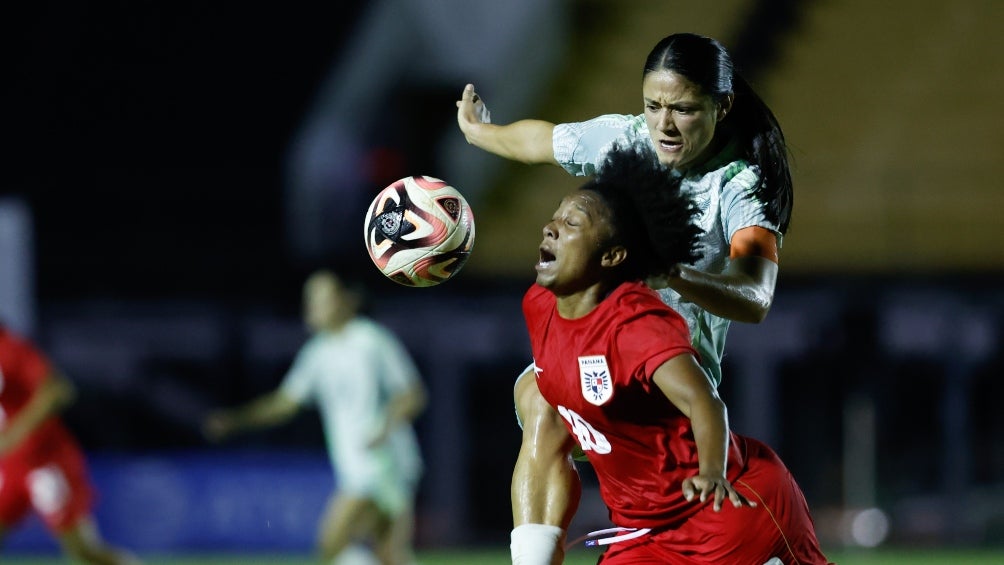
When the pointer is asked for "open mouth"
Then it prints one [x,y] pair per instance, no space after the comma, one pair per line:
[670,145]
[546,258]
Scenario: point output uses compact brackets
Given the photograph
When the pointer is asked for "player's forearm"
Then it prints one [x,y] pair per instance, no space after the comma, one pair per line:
[52,397]
[526,141]
[709,420]
[407,406]
[265,412]
[401,410]
[743,293]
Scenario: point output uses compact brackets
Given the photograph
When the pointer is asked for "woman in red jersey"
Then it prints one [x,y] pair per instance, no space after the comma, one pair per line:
[42,467]
[617,376]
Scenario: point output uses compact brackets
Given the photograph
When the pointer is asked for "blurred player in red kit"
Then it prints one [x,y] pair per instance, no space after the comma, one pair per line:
[617,376]
[42,468]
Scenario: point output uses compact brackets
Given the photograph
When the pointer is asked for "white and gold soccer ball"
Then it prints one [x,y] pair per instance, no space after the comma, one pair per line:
[419,231]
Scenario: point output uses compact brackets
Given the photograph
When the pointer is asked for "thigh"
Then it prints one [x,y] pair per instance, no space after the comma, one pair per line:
[380,478]
[740,536]
[701,540]
[14,500]
[785,519]
[779,526]
[639,553]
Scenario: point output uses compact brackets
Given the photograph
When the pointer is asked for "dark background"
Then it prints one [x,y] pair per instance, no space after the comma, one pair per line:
[148,138]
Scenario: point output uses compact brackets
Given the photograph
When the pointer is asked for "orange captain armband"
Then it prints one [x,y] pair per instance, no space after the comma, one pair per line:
[754,241]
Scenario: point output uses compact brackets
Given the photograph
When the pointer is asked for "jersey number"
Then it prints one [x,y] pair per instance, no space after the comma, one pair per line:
[589,438]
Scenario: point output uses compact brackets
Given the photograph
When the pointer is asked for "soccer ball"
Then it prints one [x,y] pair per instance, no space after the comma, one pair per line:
[419,231]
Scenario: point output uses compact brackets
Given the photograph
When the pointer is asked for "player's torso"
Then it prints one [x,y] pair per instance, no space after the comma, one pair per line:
[639,444]
[348,377]
[353,395]
[15,388]
[720,212]
[602,403]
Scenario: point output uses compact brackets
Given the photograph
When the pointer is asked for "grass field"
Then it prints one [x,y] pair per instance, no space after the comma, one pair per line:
[579,557]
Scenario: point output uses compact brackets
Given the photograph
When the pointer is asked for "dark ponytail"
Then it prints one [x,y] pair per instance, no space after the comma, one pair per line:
[760,136]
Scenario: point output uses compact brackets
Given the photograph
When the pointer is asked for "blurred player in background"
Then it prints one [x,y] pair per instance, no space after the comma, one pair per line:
[702,120]
[616,374]
[42,468]
[369,393]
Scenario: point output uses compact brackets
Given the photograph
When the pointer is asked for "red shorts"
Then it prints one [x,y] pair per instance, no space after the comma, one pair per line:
[780,525]
[57,487]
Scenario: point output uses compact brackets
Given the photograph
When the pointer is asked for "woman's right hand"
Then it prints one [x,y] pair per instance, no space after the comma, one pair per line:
[471,111]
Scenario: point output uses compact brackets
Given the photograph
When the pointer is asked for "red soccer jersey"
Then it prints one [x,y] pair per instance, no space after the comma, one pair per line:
[22,370]
[597,373]
[46,471]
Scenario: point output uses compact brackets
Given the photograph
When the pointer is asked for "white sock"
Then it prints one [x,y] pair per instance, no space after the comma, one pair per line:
[536,544]
[355,554]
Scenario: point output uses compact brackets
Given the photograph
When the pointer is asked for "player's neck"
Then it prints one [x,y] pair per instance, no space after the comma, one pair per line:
[581,303]
[338,324]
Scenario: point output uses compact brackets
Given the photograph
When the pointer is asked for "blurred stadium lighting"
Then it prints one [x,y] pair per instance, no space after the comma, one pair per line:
[866,528]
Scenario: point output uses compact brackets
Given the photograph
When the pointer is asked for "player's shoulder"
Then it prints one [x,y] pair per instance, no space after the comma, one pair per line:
[7,336]
[604,125]
[537,301]
[740,177]
[635,292]
[13,343]
[727,165]
[616,119]
[644,323]
[376,336]
[364,327]
[537,297]
[535,292]
[635,298]
[720,173]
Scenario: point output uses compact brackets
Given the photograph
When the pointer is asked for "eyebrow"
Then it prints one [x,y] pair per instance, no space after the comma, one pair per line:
[677,104]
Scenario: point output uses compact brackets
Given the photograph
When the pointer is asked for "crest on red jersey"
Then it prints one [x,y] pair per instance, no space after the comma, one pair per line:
[594,374]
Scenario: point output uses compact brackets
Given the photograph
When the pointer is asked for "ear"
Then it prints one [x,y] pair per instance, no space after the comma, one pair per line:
[614,256]
[724,106]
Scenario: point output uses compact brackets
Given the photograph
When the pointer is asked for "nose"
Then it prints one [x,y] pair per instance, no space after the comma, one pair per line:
[549,230]
[665,121]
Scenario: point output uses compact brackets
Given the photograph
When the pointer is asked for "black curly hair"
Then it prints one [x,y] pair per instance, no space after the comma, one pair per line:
[649,213]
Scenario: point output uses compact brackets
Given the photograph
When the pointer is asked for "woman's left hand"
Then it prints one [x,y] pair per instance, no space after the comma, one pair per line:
[703,486]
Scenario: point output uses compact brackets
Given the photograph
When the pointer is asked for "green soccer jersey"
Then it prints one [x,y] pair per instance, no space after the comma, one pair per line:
[722,189]
[350,375]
